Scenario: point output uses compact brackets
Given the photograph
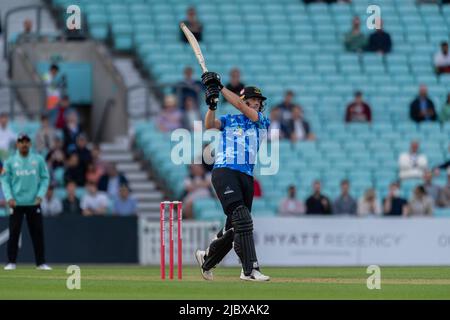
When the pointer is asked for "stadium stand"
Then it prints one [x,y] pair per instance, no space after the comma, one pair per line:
[310,59]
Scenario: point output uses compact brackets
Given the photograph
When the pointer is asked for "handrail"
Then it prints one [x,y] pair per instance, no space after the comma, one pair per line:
[13,86]
[39,9]
[109,103]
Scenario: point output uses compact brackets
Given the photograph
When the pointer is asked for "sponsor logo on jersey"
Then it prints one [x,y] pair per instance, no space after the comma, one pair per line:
[22,173]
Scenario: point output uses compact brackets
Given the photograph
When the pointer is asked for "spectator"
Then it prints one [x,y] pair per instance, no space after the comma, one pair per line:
[431,188]
[291,206]
[94,202]
[99,164]
[7,136]
[317,203]
[53,86]
[345,203]
[394,204]
[71,132]
[74,171]
[93,173]
[358,110]
[286,107]
[46,136]
[368,204]
[355,40]
[71,203]
[188,87]
[257,190]
[196,186]
[111,181]
[192,119]
[59,114]
[444,116]
[193,24]
[170,117]
[235,85]
[124,203]
[445,165]
[422,108]
[51,205]
[444,193]
[27,35]
[297,128]
[412,164]
[442,59]
[83,152]
[277,130]
[420,204]
[380,41]
[55,156]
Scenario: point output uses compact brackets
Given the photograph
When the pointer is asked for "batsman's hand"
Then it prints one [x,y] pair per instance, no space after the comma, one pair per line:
[212,96]
[210,79]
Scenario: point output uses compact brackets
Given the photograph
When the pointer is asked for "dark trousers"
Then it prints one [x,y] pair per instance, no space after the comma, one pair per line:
[35,227]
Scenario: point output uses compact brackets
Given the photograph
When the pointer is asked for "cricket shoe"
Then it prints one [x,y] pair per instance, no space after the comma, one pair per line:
[43,267]
[200,256]
[254,276]
[10,266]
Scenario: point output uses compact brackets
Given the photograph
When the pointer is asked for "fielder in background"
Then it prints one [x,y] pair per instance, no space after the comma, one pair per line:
[232,175]
[25,180]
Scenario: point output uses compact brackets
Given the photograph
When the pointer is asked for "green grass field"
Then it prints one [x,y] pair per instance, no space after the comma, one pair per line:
[135,282]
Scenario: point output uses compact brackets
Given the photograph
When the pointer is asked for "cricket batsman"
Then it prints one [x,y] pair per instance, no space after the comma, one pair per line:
[25,180]
[232,175]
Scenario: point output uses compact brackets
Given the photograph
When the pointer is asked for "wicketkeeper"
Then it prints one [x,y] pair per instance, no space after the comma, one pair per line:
[25,180]
[232,175]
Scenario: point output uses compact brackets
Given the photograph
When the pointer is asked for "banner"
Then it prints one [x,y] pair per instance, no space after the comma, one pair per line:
[334,241]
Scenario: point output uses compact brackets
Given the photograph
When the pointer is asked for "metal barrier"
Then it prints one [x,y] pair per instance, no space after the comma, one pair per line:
[196,235]
[13,87]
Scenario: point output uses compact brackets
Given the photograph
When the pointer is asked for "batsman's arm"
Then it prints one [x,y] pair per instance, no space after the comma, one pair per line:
[210,120]
[239,104]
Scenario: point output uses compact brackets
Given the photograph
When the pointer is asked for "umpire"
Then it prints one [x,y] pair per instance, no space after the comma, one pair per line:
[25,180]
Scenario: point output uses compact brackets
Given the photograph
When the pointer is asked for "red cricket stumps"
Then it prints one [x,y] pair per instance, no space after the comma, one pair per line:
[171,238]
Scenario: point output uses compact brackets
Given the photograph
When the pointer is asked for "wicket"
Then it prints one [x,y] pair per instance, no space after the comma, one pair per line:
[162,215]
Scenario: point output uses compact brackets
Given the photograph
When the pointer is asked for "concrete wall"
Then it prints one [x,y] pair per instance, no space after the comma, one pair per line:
[108,85]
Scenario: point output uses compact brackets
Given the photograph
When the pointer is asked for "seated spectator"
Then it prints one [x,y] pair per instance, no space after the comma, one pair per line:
[276,129]
[420,204]
[368,204]
[444,116]
[196,186]
[71,203]
[257,190]
[71,132]
[83,152]
[235,85]
[443,166]
[345,203]
[193,24]
[431,188]
[93,173]
[380,41]
[170,117]
[96,160]
[297,128]
[94,202]
[358,110]
[188,87]
[111,181]
[355,40]
[51,205]
[412,164]
[192,119]
[442,59]
[317,203]
[52,81]
[444,193]
[27,35]
[55,157]
[7,136]
[286,107]
[394,204]
[58,116]
[74,171]
[45,136]
[124,203]
[422,108]
[291,206]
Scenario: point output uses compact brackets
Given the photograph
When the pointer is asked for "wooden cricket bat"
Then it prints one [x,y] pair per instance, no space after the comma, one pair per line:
[195,46]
